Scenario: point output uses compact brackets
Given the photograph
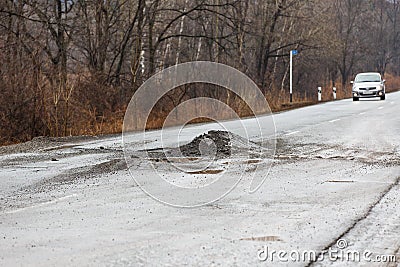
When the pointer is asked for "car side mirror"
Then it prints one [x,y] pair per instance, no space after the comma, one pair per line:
[352,82]
[384,81]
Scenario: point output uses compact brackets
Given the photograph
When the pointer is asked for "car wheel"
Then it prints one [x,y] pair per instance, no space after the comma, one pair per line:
[355,99]
[383,97]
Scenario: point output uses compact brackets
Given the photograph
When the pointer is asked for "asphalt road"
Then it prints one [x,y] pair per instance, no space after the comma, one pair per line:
[333,186]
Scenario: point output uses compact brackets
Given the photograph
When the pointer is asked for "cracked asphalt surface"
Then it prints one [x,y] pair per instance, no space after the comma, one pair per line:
[335,176]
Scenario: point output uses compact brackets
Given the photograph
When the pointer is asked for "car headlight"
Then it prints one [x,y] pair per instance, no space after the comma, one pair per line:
[355,89]
[379,87]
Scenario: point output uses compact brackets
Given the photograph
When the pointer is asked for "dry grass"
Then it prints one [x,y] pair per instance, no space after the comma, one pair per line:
[89,120]
[279,101]
[392,83]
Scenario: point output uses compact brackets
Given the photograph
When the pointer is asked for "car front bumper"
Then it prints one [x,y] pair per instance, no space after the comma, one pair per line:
[370,93]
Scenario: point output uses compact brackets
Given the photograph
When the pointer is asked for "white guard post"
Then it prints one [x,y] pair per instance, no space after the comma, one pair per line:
[319,94]
[334,93]
[292,53]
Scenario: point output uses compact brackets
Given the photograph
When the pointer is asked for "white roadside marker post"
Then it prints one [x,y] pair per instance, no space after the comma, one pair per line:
[319,94]
[292,53]
[334,93]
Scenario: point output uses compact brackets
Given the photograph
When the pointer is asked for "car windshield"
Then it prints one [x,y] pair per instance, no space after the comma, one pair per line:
[368,78]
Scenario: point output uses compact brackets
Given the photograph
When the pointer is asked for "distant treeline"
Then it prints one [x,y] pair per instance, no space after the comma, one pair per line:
[70,67]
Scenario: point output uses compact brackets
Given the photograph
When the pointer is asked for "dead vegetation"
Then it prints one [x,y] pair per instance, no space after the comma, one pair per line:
[71,67]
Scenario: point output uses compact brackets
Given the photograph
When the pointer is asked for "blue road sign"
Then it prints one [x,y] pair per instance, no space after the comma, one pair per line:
[295,52]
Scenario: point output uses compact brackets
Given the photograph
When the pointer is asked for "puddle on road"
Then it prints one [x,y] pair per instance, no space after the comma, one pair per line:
[173,160]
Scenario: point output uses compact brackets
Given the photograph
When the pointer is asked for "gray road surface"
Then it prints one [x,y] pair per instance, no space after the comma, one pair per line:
[334,181]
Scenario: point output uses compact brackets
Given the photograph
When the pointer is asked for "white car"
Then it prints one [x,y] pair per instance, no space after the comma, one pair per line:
[368,84]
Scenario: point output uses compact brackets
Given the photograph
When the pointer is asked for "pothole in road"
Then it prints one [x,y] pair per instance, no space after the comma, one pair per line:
[337,181]
[263,239]
[313,151]
[206,172]
[206,158]
[214,145]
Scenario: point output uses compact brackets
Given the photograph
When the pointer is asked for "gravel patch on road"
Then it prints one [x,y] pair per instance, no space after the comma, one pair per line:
[42,143]
[213,143]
